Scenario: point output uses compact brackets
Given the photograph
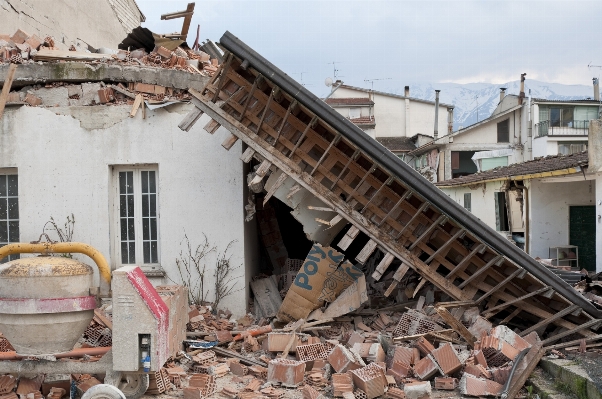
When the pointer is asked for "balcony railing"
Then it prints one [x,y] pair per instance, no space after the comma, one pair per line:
[573,128]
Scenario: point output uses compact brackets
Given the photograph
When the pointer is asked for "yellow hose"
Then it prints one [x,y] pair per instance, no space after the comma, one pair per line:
[60,248]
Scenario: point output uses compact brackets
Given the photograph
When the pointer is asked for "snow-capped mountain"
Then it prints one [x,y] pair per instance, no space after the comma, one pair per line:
[466,96]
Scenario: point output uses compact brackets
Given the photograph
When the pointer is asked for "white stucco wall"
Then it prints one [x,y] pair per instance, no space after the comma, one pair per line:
[100,23]
[549,212]
[394,119]
[482,200]
[63,164]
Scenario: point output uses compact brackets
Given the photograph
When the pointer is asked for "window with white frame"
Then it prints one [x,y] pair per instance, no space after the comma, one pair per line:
[136,238]
[9,212]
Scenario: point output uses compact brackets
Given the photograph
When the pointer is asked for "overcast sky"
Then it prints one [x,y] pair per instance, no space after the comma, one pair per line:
[407,42]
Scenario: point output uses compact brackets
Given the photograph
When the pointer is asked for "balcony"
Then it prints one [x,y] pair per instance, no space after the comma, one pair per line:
[573,128]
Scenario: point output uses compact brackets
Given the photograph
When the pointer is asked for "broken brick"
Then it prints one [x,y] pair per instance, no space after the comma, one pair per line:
[424,346]
[425,368]
[19,36]
[239,369]
[408,356]
[33,100]
[446,383]
[474,386]
[163,52]
[106,95]
[342,359]
[417,390]
[341,383]
[447,359]
[287,372]
[34,42]
[370,379]
[395,393]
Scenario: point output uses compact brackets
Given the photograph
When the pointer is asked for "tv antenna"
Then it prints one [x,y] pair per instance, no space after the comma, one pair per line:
[374,80]
[476,98]
[301,79]
[334,69]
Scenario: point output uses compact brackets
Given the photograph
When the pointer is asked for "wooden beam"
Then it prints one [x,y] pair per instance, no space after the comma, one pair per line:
[482,270]
[274,187]
[365,253]
[333,142]
[577,341]
[456,325]
[290,109]
[261,171]
[136,105]
[247,155]
[443,247]
[224,72]
[386,183]
[313,122]
[440,220]
[191,118]
[229,141]
[578,328]
[399,273]
[416,215]
[500,285]
[257,81]
[466,261]
[383,265]
[490,312]
[405,196]
[187,20]
[547,321]
[348,238]
[8,82]
[265,111]
[529,361]
[511,315]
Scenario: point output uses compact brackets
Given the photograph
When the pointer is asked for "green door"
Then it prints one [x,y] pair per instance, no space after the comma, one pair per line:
[582,233]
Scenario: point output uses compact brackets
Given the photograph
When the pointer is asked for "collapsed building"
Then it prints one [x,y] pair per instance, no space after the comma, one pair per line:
[117,137]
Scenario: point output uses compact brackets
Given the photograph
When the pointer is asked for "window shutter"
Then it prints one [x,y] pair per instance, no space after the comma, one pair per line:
[503,131]
[467,202]
[455,160]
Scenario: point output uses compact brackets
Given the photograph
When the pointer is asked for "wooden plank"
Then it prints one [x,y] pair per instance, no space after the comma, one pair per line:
[325,154]
[456,325]
[247,155]
[365,253]
[574,330]
[442,248]
[224,72]
[481,270]
[335,220]
[547,321]
[123,91]
[490,312]
[348,238]
[399,273]
[250,97]
[416,215]
[45,54]
[577,341]
[104,319]
[275,187]
[212,126]
[405,196]
[261,171]
[429,230]
[499,285]
[268,296]
[383,265]
[511,315]
[229,141]
[377,193]
[136,105]
[186,22]
[8,82]
[466,261]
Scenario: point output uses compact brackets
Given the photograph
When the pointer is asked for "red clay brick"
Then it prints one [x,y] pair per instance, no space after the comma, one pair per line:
[447,359]
[19,36]
[287,372]
[425,368]
[370,379]
[446,383]
[342,359]
[474,386]
[424,346]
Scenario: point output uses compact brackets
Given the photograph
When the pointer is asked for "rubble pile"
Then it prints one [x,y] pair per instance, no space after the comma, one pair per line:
[21,48]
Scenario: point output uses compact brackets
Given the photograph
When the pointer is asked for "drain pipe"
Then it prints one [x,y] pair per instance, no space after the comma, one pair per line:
[526,210]
[436,132]
[519,357]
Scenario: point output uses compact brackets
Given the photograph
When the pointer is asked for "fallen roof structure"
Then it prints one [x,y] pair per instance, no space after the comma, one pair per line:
[309,147]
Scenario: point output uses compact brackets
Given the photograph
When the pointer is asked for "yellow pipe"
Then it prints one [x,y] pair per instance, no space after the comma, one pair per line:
[60,248]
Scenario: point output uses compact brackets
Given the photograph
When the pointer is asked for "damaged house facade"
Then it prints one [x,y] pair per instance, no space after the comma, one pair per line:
[245,156]
[399,123]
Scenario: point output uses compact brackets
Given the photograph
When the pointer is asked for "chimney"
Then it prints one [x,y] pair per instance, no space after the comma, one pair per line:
[436,132]
[502,93]
[521,96]
[596,89]
[406,91]
[450,120]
